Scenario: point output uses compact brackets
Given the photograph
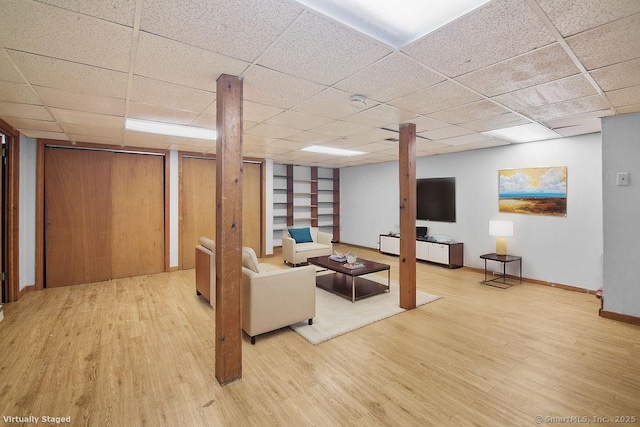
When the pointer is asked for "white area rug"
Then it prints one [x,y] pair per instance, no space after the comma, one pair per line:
[336,316]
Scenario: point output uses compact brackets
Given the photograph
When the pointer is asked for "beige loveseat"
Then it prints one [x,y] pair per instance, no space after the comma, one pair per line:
[206,269]
[274,297]
[297,253]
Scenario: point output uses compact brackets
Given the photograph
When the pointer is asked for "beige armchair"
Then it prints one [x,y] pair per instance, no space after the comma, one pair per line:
[297,253]
[206,269]
[274,297]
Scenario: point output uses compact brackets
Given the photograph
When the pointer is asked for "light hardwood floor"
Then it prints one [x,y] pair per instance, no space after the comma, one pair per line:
[140,351]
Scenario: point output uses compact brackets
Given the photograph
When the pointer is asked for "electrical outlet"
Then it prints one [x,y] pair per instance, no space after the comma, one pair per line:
[622,178]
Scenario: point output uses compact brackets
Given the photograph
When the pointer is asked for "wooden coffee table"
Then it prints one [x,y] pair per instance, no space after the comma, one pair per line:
[346,282]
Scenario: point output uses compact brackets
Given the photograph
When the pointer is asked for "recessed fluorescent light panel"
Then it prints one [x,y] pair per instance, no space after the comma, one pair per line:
[524,133]
[330,150]
[395,23]
[169,129]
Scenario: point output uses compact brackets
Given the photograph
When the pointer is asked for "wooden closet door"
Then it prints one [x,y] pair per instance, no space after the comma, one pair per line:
[198,205]
[137,182]
[77,216]
[252,206]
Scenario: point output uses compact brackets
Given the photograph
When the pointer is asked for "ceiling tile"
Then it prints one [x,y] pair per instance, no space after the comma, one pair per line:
[289,145]
[248,139]
[567,108]
[7,72]
[340,128]
[194,142]
[170,95]
[469,112]
[591,127]
[298,120]
[149,140]
[90,130]
[427,123]
[496,122]
[55,73]
[18,92]
[540,66]
[330,103]
[189,148]
[609,44]
[255,112]
[208,121]
[629,109]
[626,96]
[491,142]
[44,134]
[95,139]
[272,131]
[382,116]
[318,49]
[175,62]
[238,29]
[26,111]
[81,101]
[618,76]
[497,31]
[578,119]
[429,146]
[466,139]
[366,137]
[375,82]
[311,137]
[446,132]
[548,93]
[21,123]
[270,87]
[436,98]
[158,113]
[119,11]
[91,119]
[571,17]
[34,27]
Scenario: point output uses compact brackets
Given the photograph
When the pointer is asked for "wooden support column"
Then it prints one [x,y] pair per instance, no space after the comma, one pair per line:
[407,160]
[228,229]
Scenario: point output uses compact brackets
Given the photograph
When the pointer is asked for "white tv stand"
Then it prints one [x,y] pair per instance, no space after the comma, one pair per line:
[449,253]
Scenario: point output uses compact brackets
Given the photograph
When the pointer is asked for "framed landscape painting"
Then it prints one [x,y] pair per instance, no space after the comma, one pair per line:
[536,191]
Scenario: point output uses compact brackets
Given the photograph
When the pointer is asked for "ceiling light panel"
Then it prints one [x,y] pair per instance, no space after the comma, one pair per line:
[396,23]
[323,149]
[524,133]
[169,129]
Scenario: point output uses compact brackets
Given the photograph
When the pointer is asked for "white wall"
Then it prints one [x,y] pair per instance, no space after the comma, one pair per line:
[621,153]
[562,250]
[27,212]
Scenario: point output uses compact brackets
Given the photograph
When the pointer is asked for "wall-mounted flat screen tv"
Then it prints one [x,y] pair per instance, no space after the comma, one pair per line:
[436,199]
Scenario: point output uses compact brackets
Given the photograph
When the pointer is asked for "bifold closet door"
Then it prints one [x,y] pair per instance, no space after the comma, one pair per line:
[198,205]
[104,215]
[251,205]
[77,216]
[137,182]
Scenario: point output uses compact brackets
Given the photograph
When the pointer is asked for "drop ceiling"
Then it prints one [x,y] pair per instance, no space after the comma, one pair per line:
[73,70]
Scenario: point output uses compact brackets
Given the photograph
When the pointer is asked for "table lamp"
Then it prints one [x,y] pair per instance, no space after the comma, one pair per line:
[501,229]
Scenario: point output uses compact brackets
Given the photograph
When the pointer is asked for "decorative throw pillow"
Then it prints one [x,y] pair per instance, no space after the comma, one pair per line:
[301,235]
[249,259]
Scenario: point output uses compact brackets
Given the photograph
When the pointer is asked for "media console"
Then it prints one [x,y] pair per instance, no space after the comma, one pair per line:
[449,253]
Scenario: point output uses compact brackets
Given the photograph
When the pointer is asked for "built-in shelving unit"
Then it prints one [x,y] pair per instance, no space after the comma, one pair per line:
[305,196]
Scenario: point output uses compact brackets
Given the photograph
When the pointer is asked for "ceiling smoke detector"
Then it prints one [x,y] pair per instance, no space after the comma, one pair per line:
[358,101]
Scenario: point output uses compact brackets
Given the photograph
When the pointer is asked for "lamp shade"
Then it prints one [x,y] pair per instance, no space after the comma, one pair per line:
[501,228]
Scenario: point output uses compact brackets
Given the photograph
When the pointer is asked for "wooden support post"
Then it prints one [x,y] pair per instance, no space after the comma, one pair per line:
[228,229]
[407,160]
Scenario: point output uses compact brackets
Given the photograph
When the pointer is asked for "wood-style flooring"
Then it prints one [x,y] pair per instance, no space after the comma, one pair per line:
[140,351]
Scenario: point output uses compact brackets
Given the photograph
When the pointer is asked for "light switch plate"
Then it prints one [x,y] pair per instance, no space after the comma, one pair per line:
[622,178]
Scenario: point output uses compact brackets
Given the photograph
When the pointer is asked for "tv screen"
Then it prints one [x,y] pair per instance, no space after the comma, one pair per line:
[436,199]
